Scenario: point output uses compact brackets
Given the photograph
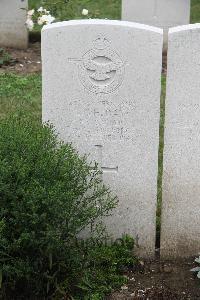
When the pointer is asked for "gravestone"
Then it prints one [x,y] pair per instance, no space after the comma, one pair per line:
[13,31]
[180,235]
[101,90]
[160,13]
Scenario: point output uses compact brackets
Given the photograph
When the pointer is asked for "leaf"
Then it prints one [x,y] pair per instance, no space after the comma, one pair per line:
[83,287]
[198,275]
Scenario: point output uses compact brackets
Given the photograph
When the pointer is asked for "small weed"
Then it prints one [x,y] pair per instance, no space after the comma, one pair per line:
[5,57]
[197,269]
[105,265]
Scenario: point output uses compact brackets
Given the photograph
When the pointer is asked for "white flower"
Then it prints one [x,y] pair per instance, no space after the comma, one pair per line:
[50,19]
[43,10]
[40,21]
[29,24]
[85,12]
[40,9]
[31,12]
[47,12]
[45,19]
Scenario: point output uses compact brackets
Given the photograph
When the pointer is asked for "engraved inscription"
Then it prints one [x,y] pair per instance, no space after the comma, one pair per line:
[111,121]
[101,70]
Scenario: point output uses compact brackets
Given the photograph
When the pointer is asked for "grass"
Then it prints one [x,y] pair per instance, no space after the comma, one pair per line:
[195,11]
[160,154]
[20,91]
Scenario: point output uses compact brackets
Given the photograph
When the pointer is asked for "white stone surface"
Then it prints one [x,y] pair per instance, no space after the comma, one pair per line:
[13,31]
[180,235]
[101,90]
[160,13]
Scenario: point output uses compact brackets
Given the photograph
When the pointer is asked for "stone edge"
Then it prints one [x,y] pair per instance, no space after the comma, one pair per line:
[103,22]
[184,28]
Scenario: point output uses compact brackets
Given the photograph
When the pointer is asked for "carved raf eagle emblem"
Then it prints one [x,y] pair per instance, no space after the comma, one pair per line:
[101,70]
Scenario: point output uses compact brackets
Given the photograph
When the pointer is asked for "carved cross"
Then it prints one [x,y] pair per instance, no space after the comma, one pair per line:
[100,159]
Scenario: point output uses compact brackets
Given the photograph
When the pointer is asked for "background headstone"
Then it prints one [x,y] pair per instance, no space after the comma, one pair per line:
[180,234]
[101,90]
[160,13]
[13,31]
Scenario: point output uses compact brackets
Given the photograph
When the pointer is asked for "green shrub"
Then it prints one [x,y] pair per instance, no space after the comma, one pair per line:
[48,195]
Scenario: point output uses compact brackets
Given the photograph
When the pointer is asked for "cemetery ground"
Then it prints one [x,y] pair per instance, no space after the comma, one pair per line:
[20,85]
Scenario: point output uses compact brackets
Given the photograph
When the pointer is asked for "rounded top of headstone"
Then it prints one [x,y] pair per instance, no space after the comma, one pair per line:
[103,22]
[184,28]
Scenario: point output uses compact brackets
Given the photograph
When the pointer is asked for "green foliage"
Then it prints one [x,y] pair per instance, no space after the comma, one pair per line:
[48,195]
[5,57]
[71,9]
[111,9]
[197,269]
[105,265]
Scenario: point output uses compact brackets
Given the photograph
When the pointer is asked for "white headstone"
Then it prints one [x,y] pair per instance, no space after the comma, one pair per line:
[101,90]
[180,236]
[160,13]
[13,31]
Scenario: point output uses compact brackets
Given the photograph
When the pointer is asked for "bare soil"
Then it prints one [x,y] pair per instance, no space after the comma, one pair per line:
[24,61]
[160,281]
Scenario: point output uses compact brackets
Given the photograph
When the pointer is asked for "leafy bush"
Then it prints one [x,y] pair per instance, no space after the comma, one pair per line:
[48,195]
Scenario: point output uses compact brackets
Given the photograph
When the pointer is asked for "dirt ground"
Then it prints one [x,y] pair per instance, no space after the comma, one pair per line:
[160,281]
[24,61]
